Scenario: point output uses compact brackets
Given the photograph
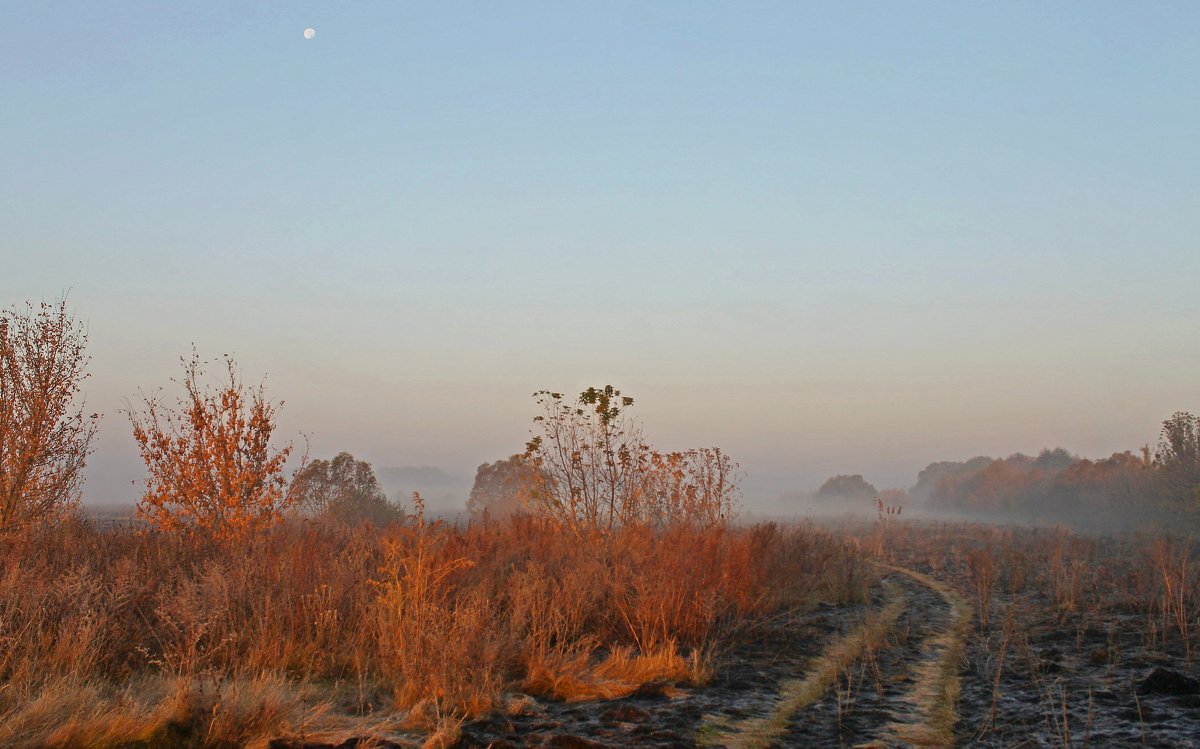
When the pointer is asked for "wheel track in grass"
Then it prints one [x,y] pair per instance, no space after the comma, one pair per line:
[933,698]
[922,677]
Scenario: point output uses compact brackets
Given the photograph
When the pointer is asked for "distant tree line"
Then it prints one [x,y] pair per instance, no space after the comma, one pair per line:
[213,468]
[1153,487]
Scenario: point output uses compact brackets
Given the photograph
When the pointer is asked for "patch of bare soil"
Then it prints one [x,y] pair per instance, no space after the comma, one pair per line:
[1049,679]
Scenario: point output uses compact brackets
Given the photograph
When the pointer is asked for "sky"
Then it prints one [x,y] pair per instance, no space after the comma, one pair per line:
[827,237]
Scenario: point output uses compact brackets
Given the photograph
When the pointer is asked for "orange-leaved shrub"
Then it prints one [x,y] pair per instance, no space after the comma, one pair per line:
[211,465]
[44,436]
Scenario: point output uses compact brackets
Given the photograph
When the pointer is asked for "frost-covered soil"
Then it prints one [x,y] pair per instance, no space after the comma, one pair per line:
[1043,678]
[1037,676]
[1054,679]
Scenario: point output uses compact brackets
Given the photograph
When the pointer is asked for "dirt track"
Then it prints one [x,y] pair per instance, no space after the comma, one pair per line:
[838,676]
[911,668]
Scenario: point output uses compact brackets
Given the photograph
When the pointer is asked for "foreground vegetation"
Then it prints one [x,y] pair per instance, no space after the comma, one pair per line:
[416,632]
[248,607]
[317,630]
[1076,640]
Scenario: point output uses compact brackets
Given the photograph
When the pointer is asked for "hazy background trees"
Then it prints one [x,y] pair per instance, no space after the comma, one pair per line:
[45,438]
[1123,491]
[442,491]
[931,476]
[1142,489]
[504,488]
[852,492]
[342,490]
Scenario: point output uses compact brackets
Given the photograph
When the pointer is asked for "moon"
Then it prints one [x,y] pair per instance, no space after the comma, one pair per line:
[309,33]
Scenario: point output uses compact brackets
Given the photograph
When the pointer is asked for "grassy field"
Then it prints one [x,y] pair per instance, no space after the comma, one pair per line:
[118,636]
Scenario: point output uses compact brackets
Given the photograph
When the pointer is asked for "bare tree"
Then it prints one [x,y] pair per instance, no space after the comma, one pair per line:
[590,454]
[595,471]
[45,438]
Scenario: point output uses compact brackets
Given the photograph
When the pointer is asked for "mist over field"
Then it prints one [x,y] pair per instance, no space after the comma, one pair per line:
[466,376]
[829,239]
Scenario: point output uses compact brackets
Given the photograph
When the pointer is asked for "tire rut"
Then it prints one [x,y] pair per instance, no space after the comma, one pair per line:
[883,674]
[931,702]
[891,682]
[822,674]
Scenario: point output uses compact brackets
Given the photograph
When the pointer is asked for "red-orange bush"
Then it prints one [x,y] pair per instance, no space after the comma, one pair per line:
[211,465]
[44,436]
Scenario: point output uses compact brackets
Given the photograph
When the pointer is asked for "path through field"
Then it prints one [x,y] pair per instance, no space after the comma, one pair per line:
[883,674]
[891,681]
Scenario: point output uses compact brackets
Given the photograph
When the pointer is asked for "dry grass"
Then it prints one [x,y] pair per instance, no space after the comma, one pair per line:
[1044,578]
[618,674]
[165,711]
[124,637]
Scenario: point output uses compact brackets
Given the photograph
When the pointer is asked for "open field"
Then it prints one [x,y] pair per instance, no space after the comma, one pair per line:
[393,375]
[121,637]
[971,636]
[518,633]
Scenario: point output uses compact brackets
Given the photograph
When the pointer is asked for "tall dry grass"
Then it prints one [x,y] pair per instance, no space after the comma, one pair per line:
[122,636]
[1079,580]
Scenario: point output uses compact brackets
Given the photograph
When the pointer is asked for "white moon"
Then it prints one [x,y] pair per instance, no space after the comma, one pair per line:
[310,33]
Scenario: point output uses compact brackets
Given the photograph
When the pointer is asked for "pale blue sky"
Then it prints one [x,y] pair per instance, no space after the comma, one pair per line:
[827,237]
